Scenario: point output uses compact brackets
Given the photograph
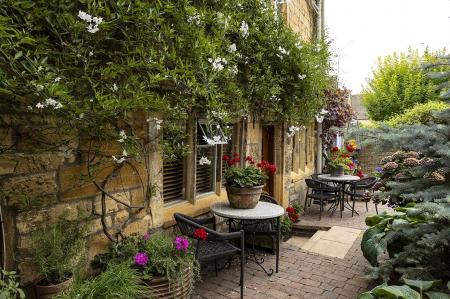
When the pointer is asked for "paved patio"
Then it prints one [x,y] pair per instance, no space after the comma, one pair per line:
[302,274]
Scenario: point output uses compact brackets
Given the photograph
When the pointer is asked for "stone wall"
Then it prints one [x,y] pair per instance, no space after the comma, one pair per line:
[38,188]
[299,15]
[369,159]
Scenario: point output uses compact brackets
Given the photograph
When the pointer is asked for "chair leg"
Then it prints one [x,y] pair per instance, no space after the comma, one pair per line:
[321,209]
[216,268]
[306,201]
[242,264]
[277,260]
[367,208]
[353,206]
[376,208]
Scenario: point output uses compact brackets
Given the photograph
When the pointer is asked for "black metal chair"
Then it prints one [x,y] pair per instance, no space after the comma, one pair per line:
[216,246]
[320,193]
[357,189]
[261,228]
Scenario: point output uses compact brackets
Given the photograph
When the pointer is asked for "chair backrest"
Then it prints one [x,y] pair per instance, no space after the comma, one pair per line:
[316,185]
[187,226]
[267,198]
[365,183]
[315,176]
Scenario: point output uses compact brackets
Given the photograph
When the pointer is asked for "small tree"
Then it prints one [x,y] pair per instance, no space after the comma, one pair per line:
[398,83]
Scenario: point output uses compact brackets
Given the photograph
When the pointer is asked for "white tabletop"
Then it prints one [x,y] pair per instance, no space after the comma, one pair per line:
[343,178]
[263,210]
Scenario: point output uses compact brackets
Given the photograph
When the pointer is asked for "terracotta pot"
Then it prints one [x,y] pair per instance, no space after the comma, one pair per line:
[161,288]
[339,171]
[244,198]
[51,291]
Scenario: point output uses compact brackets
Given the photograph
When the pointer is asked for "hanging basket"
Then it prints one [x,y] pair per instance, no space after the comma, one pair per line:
[181,288]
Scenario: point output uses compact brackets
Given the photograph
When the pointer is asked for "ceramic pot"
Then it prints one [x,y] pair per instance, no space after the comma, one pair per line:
[51,291]
[339,171]
[244,198]
[162,288]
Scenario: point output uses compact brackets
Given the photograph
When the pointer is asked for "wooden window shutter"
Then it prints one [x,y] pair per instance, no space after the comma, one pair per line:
[173,180]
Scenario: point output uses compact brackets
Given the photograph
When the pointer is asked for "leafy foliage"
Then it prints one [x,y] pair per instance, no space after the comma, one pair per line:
[418,114]
[58,250]
[9,287]
[398,83]
[118,281]
[411,289]
[250,175]
[164,258]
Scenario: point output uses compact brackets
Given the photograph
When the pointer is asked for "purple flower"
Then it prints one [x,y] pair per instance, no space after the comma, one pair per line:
[141,259]
[379,169]
[146,236]
[181,243]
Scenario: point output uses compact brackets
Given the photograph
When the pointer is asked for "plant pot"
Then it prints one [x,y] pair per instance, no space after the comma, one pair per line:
[294,217]
[244,198]
[51,291]
[162,288]
[337,171]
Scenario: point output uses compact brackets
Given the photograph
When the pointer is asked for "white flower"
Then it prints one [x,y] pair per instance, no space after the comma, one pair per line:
[292,130]
[158,124]
[39,105]
[301,77]
[195,19]
[275,98]
[39,87]
[124,153]
[298,45]
[29,108]
[283,51]
[91,53]
[114,87]
[218,64]
[123,136]
[92,28]
[234,70]
[84,16]
[209,140]
[216,139]
[232,48]
[118,161]
[204,161]
[81,116]
[244,29]
[57,79]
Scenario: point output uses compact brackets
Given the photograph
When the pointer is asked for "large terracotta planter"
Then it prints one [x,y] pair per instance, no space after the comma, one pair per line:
[51,291]
[244,198]
[161,288]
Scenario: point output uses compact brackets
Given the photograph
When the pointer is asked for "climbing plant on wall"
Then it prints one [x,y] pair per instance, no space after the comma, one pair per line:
[100,81]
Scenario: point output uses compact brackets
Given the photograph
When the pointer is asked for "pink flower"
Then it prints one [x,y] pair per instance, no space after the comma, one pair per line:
[141,259]
[146,236]
[181,243]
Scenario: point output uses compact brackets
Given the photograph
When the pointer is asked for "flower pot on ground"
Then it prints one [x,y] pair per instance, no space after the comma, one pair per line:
[244,184]
[167,265]
[58,250]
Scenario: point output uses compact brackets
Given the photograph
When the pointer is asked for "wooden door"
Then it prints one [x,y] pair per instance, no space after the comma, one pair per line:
[268,154]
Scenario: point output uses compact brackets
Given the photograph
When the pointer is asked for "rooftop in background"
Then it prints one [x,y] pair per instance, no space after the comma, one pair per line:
[358,107]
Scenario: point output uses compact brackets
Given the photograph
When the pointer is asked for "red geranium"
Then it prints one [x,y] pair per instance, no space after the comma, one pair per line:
[225,158]
[349,148]
[360,174]
[236,155]
[334,149]
[249,158]
[290,210]
[200,233]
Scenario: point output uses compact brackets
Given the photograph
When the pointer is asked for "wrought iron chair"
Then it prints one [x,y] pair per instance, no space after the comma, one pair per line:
[261,228]
[357,189]
[320,194]
[216,246]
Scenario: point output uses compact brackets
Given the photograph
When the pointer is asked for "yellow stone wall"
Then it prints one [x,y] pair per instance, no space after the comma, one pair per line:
[299,16]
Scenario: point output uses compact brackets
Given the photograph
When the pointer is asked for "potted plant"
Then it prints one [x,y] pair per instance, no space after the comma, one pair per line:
[58,249]
[340,160]
[294,212]
[244,184]
[167,265]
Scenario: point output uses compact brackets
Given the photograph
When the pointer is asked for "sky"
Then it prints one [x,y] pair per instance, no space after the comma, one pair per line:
[363,30]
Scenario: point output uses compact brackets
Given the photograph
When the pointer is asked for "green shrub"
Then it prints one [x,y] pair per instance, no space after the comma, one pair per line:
[398,83]
[117,282]
[286,226]
[419,114]
[9,287]
[58,249]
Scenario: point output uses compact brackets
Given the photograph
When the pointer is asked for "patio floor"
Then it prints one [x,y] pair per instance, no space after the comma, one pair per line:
[302,274]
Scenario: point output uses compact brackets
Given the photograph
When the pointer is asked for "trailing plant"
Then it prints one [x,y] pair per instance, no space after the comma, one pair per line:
[58,249]
[152,255]
[117,281]
[411,289]
[286,226]
[398,83]
[250,175]
[100,81]
[9,286]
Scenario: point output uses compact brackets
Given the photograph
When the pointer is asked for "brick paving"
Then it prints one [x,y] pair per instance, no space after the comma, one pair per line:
[302,274]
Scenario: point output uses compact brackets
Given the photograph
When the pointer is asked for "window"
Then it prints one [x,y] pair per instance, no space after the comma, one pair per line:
[173,180]
[209,136]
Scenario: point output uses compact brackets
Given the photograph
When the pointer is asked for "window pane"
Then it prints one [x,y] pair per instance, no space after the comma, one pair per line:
[205,174]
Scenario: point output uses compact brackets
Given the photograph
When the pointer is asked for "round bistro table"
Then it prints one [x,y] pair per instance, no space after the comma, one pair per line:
[341,180]
[263,211]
